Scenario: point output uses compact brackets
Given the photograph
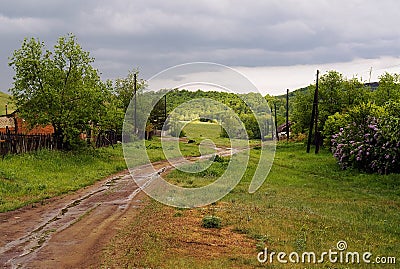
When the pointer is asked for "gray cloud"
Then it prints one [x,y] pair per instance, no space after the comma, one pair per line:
[155,34]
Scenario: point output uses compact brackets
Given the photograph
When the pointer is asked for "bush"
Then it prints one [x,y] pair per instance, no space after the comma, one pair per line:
[211,222]
[333,124]
[369,143]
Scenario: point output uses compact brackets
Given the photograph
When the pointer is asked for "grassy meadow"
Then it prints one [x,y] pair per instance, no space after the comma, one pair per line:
[307,203]
[33,177]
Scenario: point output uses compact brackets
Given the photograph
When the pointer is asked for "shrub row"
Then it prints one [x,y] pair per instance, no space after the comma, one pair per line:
[370,140]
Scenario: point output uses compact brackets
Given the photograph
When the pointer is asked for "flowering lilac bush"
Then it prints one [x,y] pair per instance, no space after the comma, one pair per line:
[372,145]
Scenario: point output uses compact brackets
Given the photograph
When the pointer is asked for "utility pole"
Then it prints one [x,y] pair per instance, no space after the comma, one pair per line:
[317,133]
[370,74]
[287,115]
[272,125]
[165,108]
[134,100]
[276,124]
[315,104]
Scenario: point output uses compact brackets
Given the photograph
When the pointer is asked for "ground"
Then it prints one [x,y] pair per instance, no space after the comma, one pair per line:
[307,203]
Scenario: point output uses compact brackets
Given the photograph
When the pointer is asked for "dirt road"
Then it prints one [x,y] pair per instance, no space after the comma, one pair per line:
[71,231]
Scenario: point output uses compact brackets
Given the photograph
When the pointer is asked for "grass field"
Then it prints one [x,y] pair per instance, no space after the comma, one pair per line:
[33,177]
[306,204]
[199,131]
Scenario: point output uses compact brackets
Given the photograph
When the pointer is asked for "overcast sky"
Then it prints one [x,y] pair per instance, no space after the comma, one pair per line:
[276,44]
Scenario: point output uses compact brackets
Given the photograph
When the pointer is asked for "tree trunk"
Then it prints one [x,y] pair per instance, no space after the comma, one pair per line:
[59,137]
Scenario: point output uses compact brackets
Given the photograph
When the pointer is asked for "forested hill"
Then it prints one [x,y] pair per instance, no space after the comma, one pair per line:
[232,100]
[5,99]
[212,105]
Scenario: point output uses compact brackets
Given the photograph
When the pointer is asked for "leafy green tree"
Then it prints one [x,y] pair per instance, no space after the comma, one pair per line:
[59,87]
[121,93]
[388,89]
[302,107]
[336,95]
[123,88]
[354,93]
[330,95]
[114,113]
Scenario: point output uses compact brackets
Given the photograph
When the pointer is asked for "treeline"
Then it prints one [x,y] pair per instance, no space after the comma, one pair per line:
[338,95]
[252,109]
[360,123]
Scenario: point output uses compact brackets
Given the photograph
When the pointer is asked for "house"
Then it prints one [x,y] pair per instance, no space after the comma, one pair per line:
[17,125]
[372,85]
[7,123]
[282,129]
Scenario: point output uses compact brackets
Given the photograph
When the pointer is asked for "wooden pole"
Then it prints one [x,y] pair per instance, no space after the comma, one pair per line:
[165,107]
[134,101]
[312,116]
[317,133]
[287,115]
[272,125]
[276,124]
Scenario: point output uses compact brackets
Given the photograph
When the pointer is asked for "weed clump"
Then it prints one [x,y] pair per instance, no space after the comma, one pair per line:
[211,222]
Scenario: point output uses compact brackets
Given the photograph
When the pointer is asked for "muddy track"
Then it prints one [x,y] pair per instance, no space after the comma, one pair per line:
[71,231]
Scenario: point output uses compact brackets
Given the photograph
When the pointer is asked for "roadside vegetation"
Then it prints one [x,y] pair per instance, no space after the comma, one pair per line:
[34,177]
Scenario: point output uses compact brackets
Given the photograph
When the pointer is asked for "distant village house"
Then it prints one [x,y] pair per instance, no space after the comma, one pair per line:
[16,125]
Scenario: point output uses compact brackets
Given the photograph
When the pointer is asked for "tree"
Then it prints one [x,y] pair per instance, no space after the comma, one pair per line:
[121,93]
[124,88]
[336,95]
[58,87]
[388,89]
[113,117]
[302,107]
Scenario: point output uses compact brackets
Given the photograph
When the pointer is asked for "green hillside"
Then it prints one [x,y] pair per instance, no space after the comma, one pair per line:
[5,99]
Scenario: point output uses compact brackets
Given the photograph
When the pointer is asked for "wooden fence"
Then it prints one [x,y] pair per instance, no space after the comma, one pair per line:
[19,143]
[107,138]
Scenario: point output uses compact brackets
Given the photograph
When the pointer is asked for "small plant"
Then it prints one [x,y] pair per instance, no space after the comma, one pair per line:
[178,214]
[211,222]
[219,159]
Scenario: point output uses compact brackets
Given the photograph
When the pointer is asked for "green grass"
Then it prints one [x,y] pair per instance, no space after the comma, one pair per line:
[307,203]
[200,179]
[32,177]
[199,131]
